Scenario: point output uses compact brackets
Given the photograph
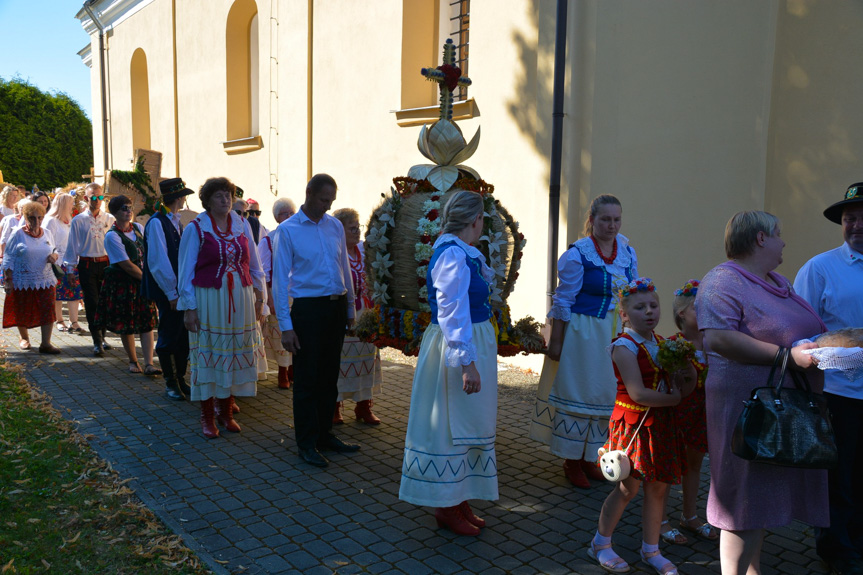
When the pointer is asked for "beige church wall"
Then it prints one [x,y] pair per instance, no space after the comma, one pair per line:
[677,122]
[149,27]
[816,128]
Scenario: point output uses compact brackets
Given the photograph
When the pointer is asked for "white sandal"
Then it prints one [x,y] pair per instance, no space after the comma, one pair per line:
[671,535]
[667,568]
[616,564]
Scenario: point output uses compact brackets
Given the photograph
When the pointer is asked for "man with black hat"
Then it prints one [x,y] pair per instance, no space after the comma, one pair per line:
[831,282]
[159,283]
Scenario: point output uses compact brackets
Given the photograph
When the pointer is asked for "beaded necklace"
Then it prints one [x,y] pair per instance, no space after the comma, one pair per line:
[609,260]
[227,233]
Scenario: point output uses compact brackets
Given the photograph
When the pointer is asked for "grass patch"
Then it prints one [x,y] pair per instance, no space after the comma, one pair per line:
[64,510]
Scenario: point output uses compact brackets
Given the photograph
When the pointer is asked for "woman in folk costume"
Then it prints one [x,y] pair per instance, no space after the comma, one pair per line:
[222,291]
[360,374]
[577,386]
[283,208]
[121,308]
[449,447]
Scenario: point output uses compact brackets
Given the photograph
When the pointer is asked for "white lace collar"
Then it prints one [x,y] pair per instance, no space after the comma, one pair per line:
[486,271]
[238,225]
[623,259]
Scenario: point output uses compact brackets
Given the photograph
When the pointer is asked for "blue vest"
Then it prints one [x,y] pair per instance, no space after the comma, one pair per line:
[149,288]
[478,292]
[597,291]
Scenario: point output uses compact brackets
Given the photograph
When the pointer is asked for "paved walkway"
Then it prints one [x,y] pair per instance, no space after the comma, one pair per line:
[247,504]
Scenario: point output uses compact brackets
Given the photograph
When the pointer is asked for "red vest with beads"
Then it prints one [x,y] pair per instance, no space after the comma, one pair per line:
[651,374]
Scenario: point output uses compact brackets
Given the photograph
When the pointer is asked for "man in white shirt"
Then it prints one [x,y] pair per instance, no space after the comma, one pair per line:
[159,283]
[86,250]
[831,282]
[311,266]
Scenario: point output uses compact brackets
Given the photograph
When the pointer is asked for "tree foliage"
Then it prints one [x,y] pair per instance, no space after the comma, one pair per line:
[45,139]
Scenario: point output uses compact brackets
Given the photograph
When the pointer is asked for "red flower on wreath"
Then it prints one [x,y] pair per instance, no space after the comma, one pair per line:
[432,215]
[421,282]
[451,75]
[426,239]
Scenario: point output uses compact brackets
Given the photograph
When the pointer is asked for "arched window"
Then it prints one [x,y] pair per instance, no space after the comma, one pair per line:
[140,88]
[241,48]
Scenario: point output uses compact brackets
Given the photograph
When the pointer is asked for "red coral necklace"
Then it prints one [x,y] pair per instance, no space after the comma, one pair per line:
[227,233]
[609,260]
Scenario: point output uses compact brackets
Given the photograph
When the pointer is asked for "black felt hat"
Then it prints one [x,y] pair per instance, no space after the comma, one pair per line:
[173,188]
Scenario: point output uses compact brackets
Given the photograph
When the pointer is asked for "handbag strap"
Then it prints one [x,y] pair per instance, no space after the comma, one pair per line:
[781,359]
[637,429]
[800,380]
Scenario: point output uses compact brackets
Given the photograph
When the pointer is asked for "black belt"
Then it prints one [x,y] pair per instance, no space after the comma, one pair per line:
[323,298]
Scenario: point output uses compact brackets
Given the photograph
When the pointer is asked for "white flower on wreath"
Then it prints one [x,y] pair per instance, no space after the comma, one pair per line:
[423,252]
[495,294]
[430,205]
[424,292]
[379,293]
[422,271]
[427,228]
[494,241]
[382,264]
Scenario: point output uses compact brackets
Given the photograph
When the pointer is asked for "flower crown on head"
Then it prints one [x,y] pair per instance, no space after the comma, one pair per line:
[641,285]
[690,288]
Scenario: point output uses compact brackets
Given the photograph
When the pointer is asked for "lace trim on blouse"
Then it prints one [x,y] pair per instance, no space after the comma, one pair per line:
[623,259]
[459,354]
[485,271]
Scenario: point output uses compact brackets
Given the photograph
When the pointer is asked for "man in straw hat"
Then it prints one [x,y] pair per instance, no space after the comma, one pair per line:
[159,283]
[831,283]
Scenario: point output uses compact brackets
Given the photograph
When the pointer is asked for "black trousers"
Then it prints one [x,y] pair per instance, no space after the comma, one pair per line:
[90,273]
[320,325]
[172,345]
[843,539]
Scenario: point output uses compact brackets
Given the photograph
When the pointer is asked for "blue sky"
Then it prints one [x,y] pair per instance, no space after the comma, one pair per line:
[42,39]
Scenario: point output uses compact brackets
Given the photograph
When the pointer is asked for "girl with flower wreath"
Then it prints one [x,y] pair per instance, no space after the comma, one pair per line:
[576,389]
[691,421]
[642,425]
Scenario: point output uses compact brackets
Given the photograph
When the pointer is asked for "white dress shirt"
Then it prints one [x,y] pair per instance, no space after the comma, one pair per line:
[831,283]
[265,251]
[157,260]
[114,245]
[311,260]
[87,236]
[190,245]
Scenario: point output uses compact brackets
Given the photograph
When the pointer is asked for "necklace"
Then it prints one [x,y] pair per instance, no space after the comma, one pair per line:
[126,231]
[227,233]
[609,260]
[31,234]
[356,262]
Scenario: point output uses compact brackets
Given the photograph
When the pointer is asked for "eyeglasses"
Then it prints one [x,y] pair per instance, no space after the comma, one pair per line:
[126,208]
[241,213]
[254,212]
[356,229]
[94,198]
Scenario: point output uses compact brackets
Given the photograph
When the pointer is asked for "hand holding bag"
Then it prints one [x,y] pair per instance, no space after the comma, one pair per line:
[787,426]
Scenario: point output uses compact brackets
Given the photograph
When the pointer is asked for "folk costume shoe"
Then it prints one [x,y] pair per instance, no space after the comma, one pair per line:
[591,470]
[470,516]
[453,519]
[284,380]
[337,414]
[575,473]
[225,415]
[208,422]
[363,411]
[235,409]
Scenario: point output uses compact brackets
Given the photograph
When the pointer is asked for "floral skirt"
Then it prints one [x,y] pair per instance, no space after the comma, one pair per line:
[121,309]
[657,452]
[692,420]
[28,308]
[69,286]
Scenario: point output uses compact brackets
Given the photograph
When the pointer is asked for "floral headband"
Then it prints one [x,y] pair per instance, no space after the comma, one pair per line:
[689,289]
[641,285]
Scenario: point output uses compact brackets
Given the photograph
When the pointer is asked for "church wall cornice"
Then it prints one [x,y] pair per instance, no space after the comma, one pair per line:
[110,13]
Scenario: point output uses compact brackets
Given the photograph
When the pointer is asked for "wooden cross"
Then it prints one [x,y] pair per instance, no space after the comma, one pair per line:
[448,76]
[91,176]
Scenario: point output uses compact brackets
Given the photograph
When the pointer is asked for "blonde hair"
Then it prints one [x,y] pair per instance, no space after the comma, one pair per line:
[598,202]
[460,210]
[4,195]
[345,215]
[678,306]
[60,203]
[742,230]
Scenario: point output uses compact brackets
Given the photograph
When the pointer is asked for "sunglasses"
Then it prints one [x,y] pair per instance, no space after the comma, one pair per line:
[241,213]
[126,208]
[94,198]
[254,212]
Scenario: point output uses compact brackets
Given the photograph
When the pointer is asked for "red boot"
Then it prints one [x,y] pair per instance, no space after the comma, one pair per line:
[452,519]
[234,407]
[591,470]
[284,380]
[363,411]
[575,474]
[225,415]
[337,414]
[208,425]
[469,515]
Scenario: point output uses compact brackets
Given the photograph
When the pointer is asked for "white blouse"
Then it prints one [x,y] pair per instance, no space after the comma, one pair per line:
[27,257]
[60,231]
[451,280]
[570,273]
[114,245]
[190,245]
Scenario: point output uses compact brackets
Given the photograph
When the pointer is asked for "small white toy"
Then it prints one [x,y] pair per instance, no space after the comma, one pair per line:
[615,465]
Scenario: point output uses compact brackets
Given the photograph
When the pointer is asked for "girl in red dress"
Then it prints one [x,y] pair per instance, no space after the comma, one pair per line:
[691,421]
[656,452]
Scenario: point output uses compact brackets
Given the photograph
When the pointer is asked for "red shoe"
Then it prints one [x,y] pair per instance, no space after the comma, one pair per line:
[363,411]
[208,424]
[337,414]
[284,380]
[468,513]
[234,407]
[452,519]
[591,470]
[225,415]
[575,474]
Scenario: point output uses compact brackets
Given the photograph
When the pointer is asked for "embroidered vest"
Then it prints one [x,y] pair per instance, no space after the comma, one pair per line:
[478,290]
[149,288]
[597,291]
[651,374]
[217,256]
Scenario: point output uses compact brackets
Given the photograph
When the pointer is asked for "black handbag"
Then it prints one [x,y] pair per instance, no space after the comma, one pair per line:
[787,426]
